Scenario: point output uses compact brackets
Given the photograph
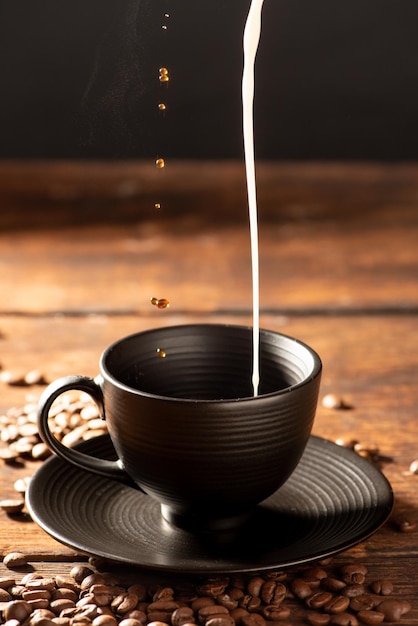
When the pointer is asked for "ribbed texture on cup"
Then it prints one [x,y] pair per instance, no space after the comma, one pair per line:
[204,442]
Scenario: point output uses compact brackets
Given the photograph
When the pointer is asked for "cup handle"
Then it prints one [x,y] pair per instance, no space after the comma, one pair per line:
[109,469]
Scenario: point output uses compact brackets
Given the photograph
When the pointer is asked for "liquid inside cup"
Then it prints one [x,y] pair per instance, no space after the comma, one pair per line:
[211,365]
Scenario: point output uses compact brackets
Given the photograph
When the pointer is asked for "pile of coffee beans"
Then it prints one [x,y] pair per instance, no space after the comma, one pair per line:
[73,417]
[316,595]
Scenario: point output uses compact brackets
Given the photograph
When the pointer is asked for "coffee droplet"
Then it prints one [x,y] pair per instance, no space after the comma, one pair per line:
[157,205]
[163,75]
[162,106]
[164,27]
[160,303]
[161,353]
[160,163]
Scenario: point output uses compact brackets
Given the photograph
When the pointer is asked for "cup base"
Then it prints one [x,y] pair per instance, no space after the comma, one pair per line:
[203,524]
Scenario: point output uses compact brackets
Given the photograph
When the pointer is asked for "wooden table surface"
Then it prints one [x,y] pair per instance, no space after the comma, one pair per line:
[83,248]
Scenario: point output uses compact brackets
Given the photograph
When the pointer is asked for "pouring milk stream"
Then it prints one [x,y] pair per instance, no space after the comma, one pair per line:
[252,33]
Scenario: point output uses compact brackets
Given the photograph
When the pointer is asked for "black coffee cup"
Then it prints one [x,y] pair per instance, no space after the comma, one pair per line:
[187,429]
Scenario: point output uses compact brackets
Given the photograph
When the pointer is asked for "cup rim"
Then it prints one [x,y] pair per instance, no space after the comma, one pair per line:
[107,375]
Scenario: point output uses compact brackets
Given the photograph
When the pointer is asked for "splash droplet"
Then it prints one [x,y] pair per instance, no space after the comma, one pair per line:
[163,75]
[163,303]
[160,303]
[164,27]
[157,205]
[161,353]
[160,163]
[162,106]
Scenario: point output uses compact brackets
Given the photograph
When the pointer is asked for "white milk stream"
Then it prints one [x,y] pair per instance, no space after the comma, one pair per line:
[252,33]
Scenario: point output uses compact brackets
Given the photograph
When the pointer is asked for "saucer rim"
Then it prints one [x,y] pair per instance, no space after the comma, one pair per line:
[386,502]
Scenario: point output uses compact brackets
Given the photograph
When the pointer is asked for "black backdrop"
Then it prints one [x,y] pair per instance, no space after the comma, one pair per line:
[336,79]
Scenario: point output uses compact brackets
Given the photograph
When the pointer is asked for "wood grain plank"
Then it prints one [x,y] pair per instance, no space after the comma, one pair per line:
[43,194]
[307,263]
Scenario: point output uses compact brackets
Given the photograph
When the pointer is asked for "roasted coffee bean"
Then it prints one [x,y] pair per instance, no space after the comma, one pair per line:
[251,603]
[393,609]
[79,572]
[318,619]
[101,594]
[404,524]
[36,594]
[413,468]
[6,582]
[300,588]
[41,583]
[9,456]
[125,602]
[60,605]
[16,591]
[238,614]
[371,617]
[207,612]
[164,593]
[333,401]
[226,600]
[213,587]
[140,590]
[353,573]
[337,604]
[365,602]
[15,559]
[273,592]
[236,593]
[5,596]
[314,573]
[319,599]
[201,602]
[354,590]
[276,613]
[383,587]
[332,584]
[254,585]
[63,592]
[86,583]
[141,616]
[344,619]
[17,609]
[162,610]
[12,507]
[182,615]
[89,611]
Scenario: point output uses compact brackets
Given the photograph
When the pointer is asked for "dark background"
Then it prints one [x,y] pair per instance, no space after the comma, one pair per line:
[336,79]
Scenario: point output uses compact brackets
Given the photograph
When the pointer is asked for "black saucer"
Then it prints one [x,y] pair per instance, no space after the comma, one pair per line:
[332,501]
